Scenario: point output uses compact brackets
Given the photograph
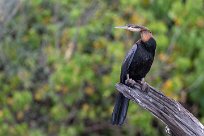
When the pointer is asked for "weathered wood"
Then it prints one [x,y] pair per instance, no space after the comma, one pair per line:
[180,121]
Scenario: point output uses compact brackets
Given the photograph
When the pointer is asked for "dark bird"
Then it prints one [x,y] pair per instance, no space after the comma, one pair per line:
[136,65]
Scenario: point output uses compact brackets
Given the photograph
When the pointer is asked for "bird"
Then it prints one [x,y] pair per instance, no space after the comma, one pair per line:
[135,66]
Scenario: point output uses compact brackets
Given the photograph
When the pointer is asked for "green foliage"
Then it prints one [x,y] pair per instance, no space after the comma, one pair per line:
[21,100]
[60,60]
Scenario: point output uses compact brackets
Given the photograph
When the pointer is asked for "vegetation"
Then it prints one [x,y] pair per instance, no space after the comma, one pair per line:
[60,60]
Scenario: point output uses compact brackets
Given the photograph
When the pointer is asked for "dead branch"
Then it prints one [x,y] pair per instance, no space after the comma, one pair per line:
[180,121]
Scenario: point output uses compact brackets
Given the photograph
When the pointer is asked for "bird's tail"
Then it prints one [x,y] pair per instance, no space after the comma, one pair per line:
[120,110]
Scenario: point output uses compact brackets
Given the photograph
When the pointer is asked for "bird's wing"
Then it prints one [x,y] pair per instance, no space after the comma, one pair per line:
[126,63]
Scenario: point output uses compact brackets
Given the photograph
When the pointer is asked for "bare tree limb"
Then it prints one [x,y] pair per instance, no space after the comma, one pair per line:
[8,9]
[85,17]
[180,121]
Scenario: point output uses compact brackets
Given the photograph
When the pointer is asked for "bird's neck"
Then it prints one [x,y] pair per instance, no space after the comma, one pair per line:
[145,35]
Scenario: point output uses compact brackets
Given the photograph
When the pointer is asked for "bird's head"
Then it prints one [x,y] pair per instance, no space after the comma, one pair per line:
[134,28]
[145,33]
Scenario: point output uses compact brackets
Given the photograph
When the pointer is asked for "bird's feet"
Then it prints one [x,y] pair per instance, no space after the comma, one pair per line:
[130,81]
[144,87]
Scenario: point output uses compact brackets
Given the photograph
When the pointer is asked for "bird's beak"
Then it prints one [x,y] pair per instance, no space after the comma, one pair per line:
[134,29]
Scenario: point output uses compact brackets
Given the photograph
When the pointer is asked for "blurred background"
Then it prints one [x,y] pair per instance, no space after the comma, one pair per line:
[60,61]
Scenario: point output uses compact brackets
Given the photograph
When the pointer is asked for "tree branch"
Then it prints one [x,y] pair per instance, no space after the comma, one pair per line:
[180,121]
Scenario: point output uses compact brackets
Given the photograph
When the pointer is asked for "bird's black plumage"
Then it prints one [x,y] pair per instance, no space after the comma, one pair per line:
[137,64]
